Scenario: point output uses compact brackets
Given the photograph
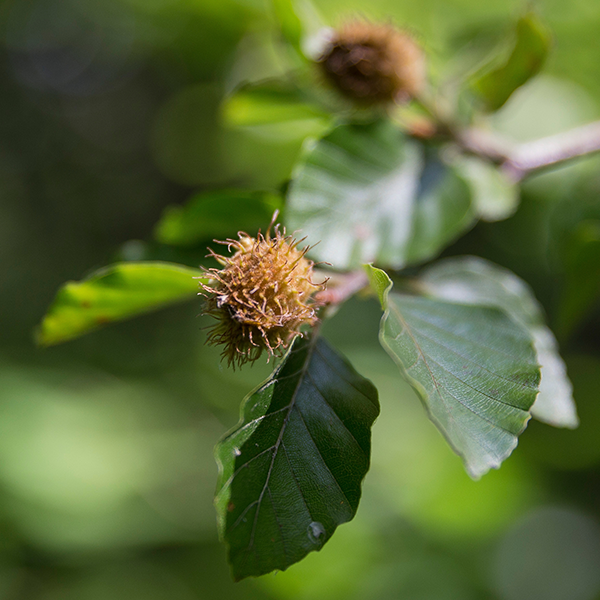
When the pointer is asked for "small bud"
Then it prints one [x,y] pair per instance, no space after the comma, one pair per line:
[374,63]
[261,297]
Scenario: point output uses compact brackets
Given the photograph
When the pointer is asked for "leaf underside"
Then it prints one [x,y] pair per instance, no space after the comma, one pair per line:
[473,367]
[114,293]
[472,280]
[291,471]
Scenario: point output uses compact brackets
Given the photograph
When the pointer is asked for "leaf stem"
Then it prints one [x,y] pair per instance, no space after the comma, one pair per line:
[552,150]
[522,160]
[342,286]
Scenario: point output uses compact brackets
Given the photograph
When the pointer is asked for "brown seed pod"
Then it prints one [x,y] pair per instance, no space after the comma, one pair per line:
[261,297]
[373,63]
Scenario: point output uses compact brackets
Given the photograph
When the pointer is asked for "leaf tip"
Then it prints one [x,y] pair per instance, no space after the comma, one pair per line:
[574,424]
[380,283]
[566,420]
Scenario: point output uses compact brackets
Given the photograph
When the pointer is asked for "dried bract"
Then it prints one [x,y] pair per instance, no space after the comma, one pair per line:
[374,63]
[261,297]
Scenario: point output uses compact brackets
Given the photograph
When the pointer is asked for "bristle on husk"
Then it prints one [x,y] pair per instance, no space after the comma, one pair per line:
[261,297]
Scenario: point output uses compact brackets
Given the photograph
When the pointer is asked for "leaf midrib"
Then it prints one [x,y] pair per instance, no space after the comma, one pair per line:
[461,337]
[470,360]
[489,450]
[279,442]
[393,308]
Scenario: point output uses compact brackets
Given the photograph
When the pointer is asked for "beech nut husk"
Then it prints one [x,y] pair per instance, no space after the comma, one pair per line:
[261,297]
[374,64]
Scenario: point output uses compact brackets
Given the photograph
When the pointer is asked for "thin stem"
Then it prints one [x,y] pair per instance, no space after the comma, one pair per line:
[343,286]
[486,144]
[519,161]
[553,150]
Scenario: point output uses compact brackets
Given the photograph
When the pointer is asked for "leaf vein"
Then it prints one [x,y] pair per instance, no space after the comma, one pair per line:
[293,474]
[456,335]
[514,383]
[332,368]
[285,552]
[309,376]
[322,459]
[478,391]
[280,439]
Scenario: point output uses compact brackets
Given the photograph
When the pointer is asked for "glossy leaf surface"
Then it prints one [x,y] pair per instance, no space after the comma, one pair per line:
[472,280]
[218,214]
[365,193]
[112,294]
[473,367]
[291,471]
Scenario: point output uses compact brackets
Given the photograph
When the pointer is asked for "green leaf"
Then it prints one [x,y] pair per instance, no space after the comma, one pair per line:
[379,282]
[581,287]
[472,280]
[473,367]
[275,103]
[112,294]
[290,24]
[531,47]
[365,193]
[291,471]
[216,214]
[495,195]
[142,251]
[302,26]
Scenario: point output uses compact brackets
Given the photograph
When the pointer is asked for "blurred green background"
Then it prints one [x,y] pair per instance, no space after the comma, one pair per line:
[110,112]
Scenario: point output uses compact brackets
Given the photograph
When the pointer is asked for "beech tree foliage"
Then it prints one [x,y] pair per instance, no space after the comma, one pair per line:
[398,171]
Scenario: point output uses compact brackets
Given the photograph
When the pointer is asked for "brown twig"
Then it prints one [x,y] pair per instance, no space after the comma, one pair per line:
[519,161]
[343,286]
[552,150]
[484,143]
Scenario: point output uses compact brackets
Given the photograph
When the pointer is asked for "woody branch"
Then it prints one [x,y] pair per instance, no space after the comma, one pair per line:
[521,160]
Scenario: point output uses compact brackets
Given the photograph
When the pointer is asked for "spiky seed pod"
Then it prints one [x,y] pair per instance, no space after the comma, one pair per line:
[261,297]
[373,63]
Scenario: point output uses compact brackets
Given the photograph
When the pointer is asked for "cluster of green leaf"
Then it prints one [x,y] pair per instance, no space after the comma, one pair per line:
[368,193]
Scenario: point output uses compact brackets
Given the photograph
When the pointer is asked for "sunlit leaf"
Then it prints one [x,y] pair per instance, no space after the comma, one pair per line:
[473,367]
[531,46]
[112,294]
[217,214]
[302,26]
[366,193]
[290,24]
[271,103]
[495,196]
[291,471]
[472,280]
